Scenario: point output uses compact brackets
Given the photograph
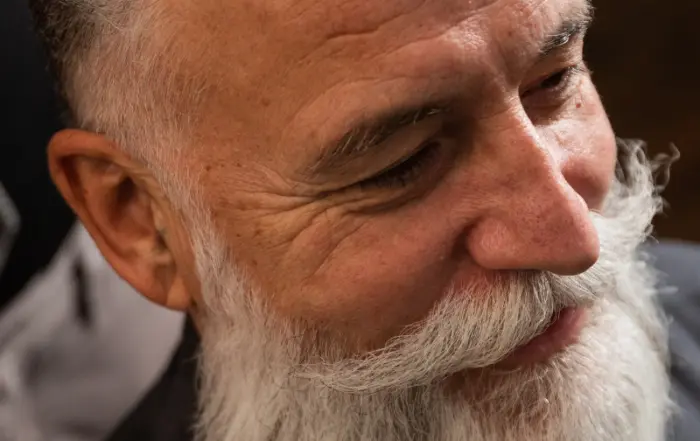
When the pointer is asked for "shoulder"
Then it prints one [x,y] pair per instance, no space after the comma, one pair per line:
[679,267]
[679,284]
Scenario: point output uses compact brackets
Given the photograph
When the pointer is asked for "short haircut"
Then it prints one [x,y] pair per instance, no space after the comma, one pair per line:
[113,70]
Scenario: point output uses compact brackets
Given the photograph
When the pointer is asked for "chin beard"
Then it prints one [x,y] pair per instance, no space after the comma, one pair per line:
[264,378]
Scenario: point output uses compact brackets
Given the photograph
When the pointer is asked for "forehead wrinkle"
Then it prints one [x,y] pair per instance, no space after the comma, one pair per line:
[555,11]
[278,36]
[521,46]
[534,7]
[364,47]
[273,68]
[446,63]
[400,33]
[352,18]
[357,17]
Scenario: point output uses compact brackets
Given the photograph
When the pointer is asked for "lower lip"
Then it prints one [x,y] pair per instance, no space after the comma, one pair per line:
[562,333]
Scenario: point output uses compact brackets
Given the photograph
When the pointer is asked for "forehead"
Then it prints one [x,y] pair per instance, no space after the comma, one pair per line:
[294,30]
[281,56]
[330,18]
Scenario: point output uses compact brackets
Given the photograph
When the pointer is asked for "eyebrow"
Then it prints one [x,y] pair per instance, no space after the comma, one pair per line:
[568,30]
[371,132]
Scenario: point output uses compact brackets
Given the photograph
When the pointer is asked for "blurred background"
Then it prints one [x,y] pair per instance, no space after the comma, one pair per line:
[645,55]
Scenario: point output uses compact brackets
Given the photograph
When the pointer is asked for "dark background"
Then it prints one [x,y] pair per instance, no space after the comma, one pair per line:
[28,117]
[644,54]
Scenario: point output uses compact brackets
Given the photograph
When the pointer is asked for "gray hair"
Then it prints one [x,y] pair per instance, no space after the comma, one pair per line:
[121,71]
[116,68]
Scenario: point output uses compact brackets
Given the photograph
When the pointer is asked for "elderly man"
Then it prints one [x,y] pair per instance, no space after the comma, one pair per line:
[387,220]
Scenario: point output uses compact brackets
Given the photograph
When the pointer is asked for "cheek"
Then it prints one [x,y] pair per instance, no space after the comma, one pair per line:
[384,276]
[589,148]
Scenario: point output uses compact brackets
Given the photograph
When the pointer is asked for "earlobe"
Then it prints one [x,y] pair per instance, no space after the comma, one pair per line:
[121,207]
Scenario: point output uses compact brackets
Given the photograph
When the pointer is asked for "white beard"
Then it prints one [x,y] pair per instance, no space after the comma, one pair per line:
[266,379]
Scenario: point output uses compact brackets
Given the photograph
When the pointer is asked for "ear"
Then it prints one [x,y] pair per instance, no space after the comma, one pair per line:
[122,207]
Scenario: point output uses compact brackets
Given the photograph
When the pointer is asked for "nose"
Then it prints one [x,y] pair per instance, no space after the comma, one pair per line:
[535,219]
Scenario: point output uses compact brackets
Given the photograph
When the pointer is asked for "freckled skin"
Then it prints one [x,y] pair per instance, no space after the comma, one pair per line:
[513,190]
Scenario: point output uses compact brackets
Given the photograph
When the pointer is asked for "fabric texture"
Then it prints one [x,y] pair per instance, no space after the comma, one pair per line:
[78,349]
[680,266]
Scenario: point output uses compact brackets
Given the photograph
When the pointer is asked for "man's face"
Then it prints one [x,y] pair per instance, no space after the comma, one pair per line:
[430,170]
[361,158]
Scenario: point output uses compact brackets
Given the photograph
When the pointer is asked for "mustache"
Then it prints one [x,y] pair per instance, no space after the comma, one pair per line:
[465,330]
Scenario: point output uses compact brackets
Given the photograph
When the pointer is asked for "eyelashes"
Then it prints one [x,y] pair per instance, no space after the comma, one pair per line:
[405,171]
[556,87]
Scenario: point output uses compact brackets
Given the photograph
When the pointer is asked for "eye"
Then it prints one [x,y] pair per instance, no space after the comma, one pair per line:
[555,88]
[555,80]
[406,171]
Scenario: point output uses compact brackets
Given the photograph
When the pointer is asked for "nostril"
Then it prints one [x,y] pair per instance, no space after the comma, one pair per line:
[574,250]
[588,252]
